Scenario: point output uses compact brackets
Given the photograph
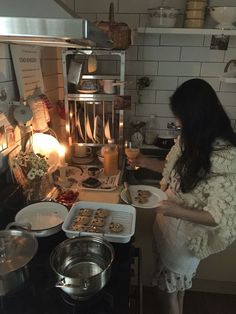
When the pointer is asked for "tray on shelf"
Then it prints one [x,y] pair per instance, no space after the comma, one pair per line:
[76,175]
[118,213]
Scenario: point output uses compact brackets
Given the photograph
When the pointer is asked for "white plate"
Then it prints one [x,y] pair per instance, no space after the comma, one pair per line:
[89,128]
[157,195]
[107,130]
[81,124]
[88,91]
[42,215]
[97,134]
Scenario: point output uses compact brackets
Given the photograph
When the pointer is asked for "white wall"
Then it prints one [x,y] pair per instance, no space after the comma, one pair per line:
[167,59]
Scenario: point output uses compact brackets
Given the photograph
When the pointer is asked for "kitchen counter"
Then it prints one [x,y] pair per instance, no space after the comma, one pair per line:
[39,296]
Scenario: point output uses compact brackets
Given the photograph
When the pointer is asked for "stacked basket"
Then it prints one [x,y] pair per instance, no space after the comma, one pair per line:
[195,13]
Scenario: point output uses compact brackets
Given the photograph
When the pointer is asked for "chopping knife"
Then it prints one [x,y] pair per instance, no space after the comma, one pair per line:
[127,193]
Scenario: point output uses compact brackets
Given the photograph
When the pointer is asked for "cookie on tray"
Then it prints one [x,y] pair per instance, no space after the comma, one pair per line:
[83,220]
[116,227]
[102,213]
[95,229]
[78,227]
[98,222]
[86,212]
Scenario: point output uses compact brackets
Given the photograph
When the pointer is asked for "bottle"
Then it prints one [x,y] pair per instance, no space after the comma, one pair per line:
[110,158]
[151,130]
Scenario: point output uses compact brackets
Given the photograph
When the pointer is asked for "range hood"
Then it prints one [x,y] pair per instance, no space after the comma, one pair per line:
[47,23]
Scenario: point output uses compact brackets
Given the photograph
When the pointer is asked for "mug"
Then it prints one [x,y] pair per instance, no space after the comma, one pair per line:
[93,172]
[82,151]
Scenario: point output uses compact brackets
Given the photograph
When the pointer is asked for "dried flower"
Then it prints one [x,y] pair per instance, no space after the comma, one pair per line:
[33,166]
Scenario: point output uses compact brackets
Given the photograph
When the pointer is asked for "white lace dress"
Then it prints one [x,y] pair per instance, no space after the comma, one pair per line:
[179,245]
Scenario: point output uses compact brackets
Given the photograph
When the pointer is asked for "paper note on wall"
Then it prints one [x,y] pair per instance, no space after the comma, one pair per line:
[26,60]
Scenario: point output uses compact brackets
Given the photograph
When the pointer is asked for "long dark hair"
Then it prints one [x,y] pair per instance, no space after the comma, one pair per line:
[203,119]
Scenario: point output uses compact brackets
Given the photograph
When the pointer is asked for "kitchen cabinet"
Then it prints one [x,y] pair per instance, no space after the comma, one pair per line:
[83,106]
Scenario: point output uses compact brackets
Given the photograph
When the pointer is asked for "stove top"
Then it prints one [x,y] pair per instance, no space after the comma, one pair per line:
[40,296]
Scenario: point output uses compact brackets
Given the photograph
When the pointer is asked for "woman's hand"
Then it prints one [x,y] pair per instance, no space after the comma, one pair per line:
[139,161]
[172,209]
[168,208]
[142,161]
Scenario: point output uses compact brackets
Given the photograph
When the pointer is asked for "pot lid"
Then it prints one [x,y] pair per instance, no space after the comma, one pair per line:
[17,248]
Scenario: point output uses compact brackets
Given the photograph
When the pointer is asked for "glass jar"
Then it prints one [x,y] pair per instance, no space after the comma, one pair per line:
[110,159]
[151,130]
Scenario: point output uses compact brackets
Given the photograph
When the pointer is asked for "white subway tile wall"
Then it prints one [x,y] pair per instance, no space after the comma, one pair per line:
[167,59]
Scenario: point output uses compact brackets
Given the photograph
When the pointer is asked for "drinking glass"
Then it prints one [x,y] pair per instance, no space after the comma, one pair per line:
[131,152]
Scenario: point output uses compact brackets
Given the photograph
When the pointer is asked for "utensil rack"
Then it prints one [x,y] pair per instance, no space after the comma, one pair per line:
[93,103]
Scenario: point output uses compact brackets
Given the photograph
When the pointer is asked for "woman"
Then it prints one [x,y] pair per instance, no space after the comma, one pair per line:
[199,177]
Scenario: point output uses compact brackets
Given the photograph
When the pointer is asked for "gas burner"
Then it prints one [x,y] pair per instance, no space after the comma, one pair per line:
[100,303]
[17,300]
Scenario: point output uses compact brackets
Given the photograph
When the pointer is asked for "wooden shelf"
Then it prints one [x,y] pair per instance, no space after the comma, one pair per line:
[188,31]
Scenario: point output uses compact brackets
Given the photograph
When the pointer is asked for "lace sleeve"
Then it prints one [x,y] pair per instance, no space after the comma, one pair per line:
[171,158]
[221,204]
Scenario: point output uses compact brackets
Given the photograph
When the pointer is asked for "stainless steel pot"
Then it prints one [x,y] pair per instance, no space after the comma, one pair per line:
[165,141]
[82,265]
[17,248]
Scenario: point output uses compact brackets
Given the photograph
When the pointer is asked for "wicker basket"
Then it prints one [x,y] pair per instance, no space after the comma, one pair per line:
[119,33]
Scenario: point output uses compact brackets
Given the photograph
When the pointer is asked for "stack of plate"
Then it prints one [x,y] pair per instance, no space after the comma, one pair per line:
[195,13]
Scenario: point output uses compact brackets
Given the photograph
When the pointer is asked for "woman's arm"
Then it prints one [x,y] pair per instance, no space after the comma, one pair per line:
[172,209]
[148,163]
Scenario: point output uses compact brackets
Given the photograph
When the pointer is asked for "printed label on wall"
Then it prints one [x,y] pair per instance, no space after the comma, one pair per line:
[26,60]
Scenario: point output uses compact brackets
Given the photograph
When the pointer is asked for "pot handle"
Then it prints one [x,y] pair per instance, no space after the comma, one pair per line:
[26,226]
[62,284]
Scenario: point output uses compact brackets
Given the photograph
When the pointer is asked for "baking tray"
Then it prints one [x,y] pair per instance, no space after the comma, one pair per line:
[123,214]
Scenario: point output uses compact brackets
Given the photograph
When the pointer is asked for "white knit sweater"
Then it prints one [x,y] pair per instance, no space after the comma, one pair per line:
[215,194]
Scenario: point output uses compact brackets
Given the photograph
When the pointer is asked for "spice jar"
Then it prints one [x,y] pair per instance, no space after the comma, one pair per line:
[110,158]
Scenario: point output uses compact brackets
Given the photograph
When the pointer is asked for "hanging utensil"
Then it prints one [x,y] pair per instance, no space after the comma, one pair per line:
[92,63]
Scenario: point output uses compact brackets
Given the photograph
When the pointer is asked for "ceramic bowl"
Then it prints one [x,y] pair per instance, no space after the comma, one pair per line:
[224,16]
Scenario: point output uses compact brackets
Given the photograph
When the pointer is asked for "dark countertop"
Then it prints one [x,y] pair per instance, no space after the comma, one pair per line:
[41,295]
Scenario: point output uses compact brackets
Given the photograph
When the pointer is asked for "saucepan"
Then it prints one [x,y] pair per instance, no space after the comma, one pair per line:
[42,219]
[82,265]
[17,248]
[109,86]
[165,140]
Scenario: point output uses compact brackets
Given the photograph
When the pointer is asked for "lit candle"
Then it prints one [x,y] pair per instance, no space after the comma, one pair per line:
[62,152]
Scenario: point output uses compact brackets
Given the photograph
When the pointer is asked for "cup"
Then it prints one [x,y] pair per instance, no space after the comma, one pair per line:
[82,150]
[93,172]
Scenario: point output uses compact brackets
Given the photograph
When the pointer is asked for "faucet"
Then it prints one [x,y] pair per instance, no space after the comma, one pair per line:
[228,64]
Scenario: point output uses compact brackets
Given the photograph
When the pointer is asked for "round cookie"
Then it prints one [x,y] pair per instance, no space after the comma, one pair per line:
[85,212]
[102,213]
[83,220]
[95,229]
[77,227]
[116,227]
[98,222]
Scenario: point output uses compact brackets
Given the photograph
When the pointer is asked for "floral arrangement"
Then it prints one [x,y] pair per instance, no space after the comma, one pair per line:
[33,167]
